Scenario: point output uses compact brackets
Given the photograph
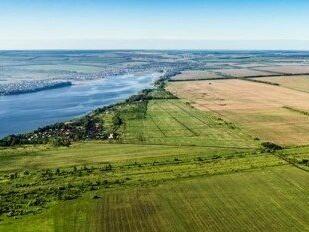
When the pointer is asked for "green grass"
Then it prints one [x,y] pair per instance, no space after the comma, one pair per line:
[33,180]
[298,156]
[51,174]
[41,157]
[173,122]
[271,199]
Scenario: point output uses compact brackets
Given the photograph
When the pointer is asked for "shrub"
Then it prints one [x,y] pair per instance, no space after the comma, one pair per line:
[10,140]
[117,121]
[108,167]
[141,138]
[68,196]
[58,172]
[60,142]
[47,174]
[304,161]
[13,176]
[269,146]
[216,157]
[26,172]
[37,202]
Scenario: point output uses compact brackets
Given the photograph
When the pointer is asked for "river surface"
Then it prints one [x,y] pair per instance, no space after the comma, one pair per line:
[26,112]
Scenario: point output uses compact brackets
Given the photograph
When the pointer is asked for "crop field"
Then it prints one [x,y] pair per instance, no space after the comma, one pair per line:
[278,125]
[58,174]
[269,199]
[299,156]
[250,65]
[255,107]
[201,204]
[197,75]
[242,72]
[173,122]
[286,69]
[300,83]
[42,157]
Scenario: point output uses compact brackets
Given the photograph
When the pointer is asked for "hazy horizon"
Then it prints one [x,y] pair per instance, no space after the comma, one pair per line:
[159,44]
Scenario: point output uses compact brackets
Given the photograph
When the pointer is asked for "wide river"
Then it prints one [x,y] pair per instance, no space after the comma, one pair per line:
[26,112]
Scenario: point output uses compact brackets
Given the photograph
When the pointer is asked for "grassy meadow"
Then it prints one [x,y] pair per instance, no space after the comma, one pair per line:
[166,165]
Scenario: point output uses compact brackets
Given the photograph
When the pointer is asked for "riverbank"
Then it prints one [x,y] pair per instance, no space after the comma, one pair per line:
[93,125]
[25,87]
[27,112]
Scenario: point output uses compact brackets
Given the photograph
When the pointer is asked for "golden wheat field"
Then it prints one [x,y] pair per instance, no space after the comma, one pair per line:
[271,113]
[243,72]
[300,83]
[197,75]
[286,69]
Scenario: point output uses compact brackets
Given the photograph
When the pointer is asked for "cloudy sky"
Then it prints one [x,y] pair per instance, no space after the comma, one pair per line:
[158,24]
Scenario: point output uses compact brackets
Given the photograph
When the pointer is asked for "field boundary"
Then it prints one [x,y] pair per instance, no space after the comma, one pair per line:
[244,77]
[181,123]
[159,128]
[185,145]
[296,110]
[291,163]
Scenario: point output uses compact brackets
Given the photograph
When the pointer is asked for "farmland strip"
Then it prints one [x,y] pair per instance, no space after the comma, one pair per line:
[191,114]
[157,126]
[185,126]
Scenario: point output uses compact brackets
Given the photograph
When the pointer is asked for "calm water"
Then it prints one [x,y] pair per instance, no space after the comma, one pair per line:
[26,112]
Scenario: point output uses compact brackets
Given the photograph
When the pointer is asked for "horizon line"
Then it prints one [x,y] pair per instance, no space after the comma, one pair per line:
[156,44]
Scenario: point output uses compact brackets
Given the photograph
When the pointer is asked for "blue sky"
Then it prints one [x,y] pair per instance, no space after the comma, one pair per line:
[146,24]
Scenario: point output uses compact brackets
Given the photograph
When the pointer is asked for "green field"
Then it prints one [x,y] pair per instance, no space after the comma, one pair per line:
[96,152]
[272,199]
[168,167]
[173,122]
[195,205]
